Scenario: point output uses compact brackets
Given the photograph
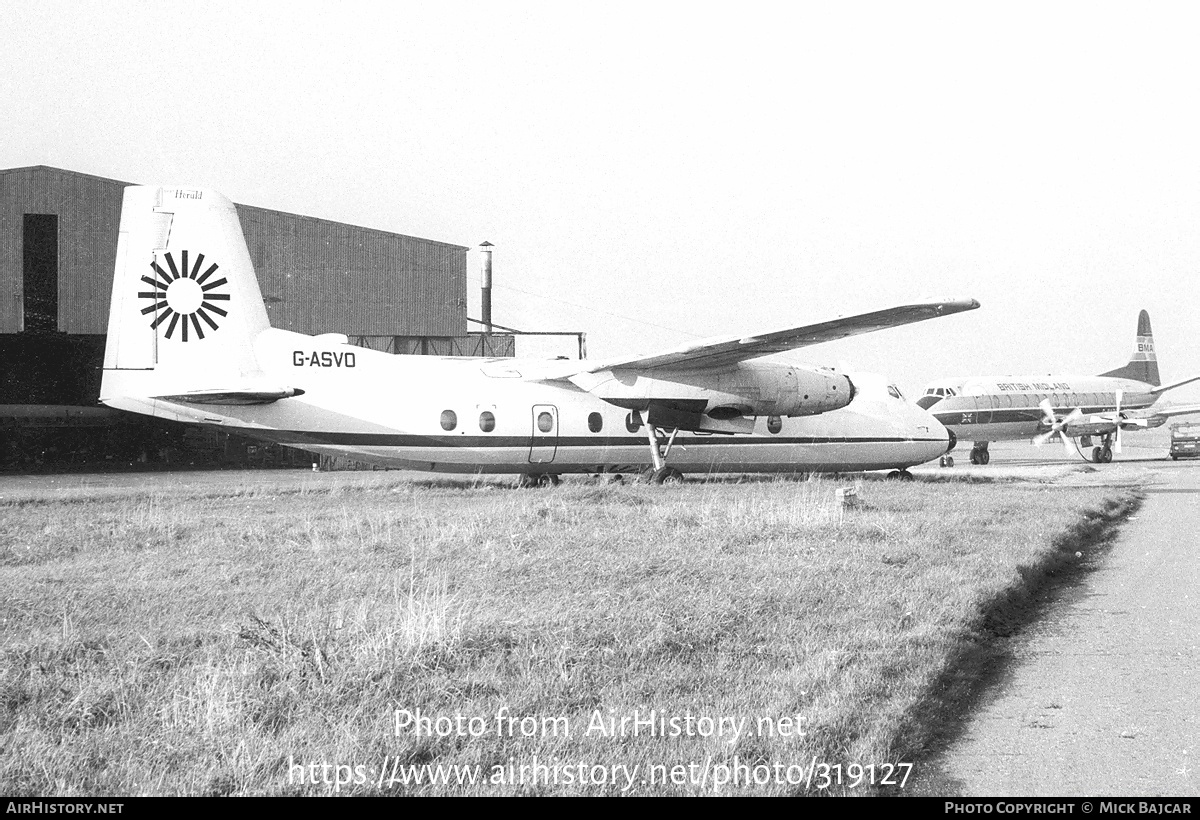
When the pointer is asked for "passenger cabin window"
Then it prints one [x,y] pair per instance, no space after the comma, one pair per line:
[487,421]
[774,424]
[449,420]
[633,423]
[545,422]
[595,422]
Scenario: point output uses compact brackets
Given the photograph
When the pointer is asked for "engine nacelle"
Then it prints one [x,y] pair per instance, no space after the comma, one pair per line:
[749,389]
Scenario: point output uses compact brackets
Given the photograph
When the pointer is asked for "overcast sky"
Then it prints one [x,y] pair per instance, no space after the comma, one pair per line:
[652,173]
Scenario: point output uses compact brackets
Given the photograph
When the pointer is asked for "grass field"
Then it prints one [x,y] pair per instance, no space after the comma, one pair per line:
[286,638]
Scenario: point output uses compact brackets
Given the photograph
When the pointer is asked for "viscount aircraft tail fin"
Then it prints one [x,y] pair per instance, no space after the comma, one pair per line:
[1143,366]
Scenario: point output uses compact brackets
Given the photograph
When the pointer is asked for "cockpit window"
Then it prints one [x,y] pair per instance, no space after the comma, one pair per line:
[935,394]
[894,392]
[940,391]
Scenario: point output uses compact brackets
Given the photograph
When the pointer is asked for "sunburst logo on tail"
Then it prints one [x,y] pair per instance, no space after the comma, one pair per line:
[188,295]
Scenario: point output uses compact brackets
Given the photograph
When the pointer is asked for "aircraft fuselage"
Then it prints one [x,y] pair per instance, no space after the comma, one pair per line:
[1003,408]
[484,415]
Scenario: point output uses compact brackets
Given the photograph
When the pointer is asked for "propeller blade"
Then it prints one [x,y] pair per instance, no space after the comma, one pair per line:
[1047,411]
[1063,427]
[1066,442]
[1057,427]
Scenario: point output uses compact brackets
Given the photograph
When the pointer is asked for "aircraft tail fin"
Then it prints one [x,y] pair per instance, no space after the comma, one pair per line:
[1143,366]
[186,305]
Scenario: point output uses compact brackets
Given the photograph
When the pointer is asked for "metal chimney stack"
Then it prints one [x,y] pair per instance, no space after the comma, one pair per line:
[486,247]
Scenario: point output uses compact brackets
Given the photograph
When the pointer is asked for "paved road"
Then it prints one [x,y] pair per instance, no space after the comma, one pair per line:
[1103,695]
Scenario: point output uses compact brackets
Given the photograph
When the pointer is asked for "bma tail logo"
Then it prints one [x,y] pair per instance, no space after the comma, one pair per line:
[184,295]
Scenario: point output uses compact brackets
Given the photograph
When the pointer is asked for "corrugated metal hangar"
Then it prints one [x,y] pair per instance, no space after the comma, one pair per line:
[58,241]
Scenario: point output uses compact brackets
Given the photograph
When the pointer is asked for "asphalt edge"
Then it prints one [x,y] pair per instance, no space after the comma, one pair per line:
[984,659]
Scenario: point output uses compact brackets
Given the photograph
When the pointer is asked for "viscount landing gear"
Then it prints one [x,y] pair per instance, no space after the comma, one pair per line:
[980,454]
[538,480]
[900,475]
[1104,453]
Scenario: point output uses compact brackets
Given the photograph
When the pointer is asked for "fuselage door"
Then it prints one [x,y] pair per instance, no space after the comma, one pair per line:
[545,434]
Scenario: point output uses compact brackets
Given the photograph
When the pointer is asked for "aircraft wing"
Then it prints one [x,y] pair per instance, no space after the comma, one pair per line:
[1153,417]
[1162,388]
[720,352]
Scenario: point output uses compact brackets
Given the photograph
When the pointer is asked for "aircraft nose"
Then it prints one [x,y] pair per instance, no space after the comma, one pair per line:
[934,425]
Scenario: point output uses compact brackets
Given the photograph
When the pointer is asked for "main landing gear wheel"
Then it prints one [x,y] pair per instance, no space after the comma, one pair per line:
[666,475]
[1102,455]
[946,461]
[980,455]
[537,480]
[900,475]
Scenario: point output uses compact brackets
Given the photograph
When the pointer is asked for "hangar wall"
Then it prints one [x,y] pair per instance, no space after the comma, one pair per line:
[319,276]
[89,213]
[316,275]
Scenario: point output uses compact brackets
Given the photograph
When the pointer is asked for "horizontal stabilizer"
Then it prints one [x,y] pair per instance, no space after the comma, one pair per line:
[234,396]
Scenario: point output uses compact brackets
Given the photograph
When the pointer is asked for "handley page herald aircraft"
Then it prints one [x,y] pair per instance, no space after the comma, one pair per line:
[996,408]
[189,340]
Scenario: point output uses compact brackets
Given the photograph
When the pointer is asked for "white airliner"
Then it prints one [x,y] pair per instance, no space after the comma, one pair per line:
[189,340]
[1072,408]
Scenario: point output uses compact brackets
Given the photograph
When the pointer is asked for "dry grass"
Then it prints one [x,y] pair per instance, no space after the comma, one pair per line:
[210,642]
